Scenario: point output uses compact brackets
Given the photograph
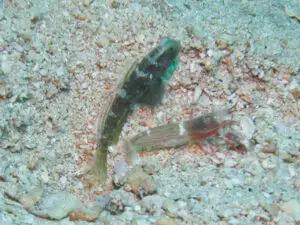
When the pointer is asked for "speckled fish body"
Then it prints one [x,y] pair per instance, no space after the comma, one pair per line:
[142,84]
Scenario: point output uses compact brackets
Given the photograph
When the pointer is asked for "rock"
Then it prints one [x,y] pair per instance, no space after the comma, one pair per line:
[26,36]
[269,163]
[282,129]
[119,200]
[292,208]
[31,197]
[171,207]
[102,41]
[139,182]
[120,168]
[248,127]
[137,208]
[296,93]
[204,101]
[150,168]
[6,65]
[1,202]
[114,4]
[297,183]
[272,209]
[166,221]
[197,94]
[24,96]
[56,206]
[208,66]
[86,214]
[13,192]
[87,2]
[197,195]
[119,180]
[229,163]
[233,182]
[103,200]
[292,11]
[51,91]
[269,148]
[141,221]
[221,44]
[234,221]
[5,91]
[32,162]
[286,157]
[152,203]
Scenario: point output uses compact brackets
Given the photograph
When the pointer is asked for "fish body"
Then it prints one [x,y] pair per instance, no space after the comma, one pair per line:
[182,133]
[142,84]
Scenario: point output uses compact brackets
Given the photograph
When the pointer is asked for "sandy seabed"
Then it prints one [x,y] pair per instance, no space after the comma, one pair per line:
[59,62]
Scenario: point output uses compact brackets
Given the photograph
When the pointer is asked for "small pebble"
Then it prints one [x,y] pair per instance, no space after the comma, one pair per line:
[292,208]
[167,221]
[221,44]
[197,94]
[5,92]
[45,177]
[6,66]
[119,180]
[85,214]
[292,10]
[31,197]
[141,221]
[119,199]
[296,93]
[26,36]
[56,206]
[102,41]
[204,101]
[171,207]
[286,157]
[60,71]
[272,209]
[51,91]
[159,116]
[140,182]
[150,168]
[114,4]
[269,148]
[269,163]
[230,163]
[297,183]
[137,208]
[234,221]
[152,203]
[248,127]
